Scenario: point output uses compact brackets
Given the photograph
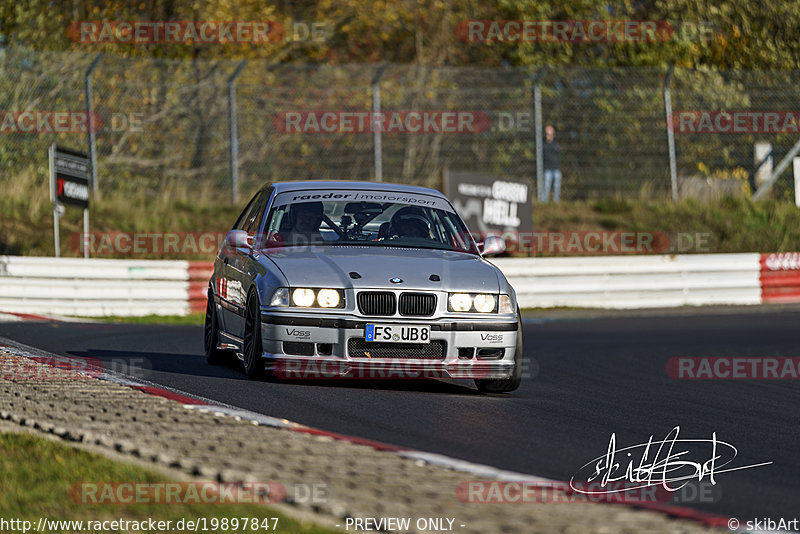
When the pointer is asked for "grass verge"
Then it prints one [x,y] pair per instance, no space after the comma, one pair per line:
[192,319]
[728,224]
[38,475]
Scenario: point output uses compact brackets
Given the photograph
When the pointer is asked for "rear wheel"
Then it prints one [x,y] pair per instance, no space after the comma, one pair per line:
[214,356]
[504,385]
[253,349]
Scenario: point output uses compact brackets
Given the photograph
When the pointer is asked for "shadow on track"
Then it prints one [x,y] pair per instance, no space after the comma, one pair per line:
[140,364]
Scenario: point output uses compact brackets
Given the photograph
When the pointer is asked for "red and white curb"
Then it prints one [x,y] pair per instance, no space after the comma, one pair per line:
[195,402]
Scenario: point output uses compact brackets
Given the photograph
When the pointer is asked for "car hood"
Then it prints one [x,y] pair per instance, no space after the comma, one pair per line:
[331,267]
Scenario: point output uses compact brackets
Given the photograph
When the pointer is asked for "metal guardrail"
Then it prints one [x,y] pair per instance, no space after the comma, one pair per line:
[780,277]
[99,287]
[634,281]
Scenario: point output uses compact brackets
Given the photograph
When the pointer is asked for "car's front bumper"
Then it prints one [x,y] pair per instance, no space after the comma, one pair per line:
[305,346]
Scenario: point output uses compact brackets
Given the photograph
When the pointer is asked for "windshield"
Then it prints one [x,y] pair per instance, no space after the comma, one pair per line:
[365,218]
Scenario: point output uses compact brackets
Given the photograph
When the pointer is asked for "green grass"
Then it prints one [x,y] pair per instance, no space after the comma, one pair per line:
[733,224]
[191,319]
[26,217]
[38,474]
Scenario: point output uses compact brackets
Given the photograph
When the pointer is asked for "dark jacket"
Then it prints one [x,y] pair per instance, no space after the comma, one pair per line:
[551,155]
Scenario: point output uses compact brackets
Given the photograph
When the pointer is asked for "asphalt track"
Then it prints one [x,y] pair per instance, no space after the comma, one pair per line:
[591,377]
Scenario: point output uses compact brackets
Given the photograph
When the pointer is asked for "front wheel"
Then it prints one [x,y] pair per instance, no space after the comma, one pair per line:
[253,349]
[504,385]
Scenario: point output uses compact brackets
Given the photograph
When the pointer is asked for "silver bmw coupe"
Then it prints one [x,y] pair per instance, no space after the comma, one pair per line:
[362,280]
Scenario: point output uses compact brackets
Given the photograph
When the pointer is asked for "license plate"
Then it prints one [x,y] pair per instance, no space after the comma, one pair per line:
[397,333]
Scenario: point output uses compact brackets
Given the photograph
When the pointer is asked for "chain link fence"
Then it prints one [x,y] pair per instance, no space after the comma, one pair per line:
[166,124]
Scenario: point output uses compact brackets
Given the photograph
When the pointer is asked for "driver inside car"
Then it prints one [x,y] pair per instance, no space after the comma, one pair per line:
[410,223]
[304,221]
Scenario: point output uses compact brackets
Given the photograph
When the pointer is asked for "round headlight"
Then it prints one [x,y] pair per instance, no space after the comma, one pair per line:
[328,298]
[460,302]
[303,297]
[484,303]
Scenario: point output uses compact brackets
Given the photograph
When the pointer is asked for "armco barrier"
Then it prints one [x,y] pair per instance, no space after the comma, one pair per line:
[199,273]
[634,281]
[780,277]
[101,287]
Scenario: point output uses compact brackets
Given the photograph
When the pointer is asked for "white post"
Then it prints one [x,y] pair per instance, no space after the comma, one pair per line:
[537,120]
[55,230]
[673,167]
[86,234]
[52,155]
[376,131]
[234,132]
[762,153]
[90,121]
[376,123]
[796,165]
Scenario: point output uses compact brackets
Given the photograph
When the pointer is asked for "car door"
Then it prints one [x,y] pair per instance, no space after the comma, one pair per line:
[239,266]
[230,312]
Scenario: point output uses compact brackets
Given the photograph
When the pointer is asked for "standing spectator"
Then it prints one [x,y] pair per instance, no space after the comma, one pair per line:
[551,159]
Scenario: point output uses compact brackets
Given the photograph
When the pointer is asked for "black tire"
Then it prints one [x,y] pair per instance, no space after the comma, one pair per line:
[214,356]
[504,385]
[253,349]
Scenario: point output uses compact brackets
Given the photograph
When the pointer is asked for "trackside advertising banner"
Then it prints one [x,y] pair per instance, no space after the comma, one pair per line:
[490,205]
[71,169]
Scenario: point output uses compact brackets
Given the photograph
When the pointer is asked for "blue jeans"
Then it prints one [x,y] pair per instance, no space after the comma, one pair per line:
[552,180]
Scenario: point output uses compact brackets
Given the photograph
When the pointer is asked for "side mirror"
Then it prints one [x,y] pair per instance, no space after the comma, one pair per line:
[239,239]
[492,245]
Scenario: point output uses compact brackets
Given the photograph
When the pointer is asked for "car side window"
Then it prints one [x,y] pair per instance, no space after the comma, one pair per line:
[246,217]
[277,220]
[258,215]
